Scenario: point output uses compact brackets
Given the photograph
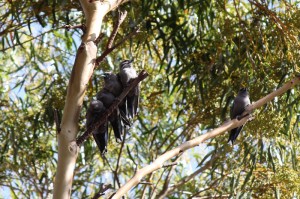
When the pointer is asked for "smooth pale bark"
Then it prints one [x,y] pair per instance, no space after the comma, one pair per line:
[82,71]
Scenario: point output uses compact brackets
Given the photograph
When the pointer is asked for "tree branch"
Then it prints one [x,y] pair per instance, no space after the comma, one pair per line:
[121,18]
[167,191]
[112,170]
[158,163]
[102,190]
[119,156]
[143,74]
[272,15]
[81,26]
[81,73]
[109,50]
[167,179]
[57,120]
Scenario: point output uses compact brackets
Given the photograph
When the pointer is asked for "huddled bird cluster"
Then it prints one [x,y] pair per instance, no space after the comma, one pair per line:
[114,84]
[241,101]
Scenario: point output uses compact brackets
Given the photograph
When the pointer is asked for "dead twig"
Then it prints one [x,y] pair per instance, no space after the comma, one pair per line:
[121,18]
[109,50]
[81,26]
[102,190]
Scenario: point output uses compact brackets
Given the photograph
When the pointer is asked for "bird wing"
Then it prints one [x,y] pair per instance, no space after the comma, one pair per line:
[101,138]
[234,134]
[116,123]
[133,101]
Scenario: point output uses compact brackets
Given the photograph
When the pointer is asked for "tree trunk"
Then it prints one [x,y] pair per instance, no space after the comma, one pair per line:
[82,71]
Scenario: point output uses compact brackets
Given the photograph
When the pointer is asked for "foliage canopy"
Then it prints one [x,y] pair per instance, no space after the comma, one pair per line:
[198,54]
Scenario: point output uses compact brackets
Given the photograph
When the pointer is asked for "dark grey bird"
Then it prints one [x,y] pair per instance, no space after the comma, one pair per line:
[127,74]
[112,89]
[113,85]
[94,112]
[115,118]
[239,104]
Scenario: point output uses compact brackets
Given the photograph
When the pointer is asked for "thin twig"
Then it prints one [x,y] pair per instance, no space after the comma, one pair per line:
[213,184]
[120,152]
[102,190]
[170,164]
[154,189]
[272,15]
[101,35]
[57,120]
[107,51]
[143,74]
[167,179]
[121,18]
[186,179]
[144,190]
[146,183]
[112,170]
[81,26]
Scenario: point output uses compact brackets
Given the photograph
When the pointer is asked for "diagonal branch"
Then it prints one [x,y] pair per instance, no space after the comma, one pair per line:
[167,191]
[272,15]
[121,18]
[102,190]
[143,74]
[158,163]
[109,50]
[119,156]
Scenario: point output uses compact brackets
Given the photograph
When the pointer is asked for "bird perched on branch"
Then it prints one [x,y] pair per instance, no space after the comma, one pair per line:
[127,74]
[115,118]
[112,89]
[94,112]
[239,104]
[113,85]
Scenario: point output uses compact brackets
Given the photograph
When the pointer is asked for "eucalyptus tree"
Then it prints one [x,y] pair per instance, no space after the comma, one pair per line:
[198,55]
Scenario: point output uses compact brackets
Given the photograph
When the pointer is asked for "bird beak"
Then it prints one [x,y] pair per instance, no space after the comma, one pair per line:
[130,61]
[104,75]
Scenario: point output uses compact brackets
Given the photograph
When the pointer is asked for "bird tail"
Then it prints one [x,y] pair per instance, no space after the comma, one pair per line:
[234,134]
[101,138]
[124,118]
[117,126]
[130,106]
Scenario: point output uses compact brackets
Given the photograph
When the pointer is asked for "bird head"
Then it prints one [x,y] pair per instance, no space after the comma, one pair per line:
[243,91]
[126,63]
[96,105]
[107,75]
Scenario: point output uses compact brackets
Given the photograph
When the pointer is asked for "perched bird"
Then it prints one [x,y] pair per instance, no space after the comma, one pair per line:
[112,89]
[115,118]
[126,74]
[112,84]
[94,112]
[239,104]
